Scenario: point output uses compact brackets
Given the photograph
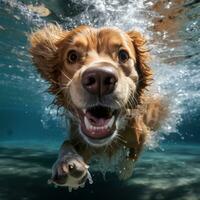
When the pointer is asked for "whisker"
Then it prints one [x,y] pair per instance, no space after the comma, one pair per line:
[66,75]
[119,137]
[55,82]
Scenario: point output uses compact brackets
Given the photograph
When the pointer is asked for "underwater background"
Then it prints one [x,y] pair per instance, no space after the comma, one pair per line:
[31,129]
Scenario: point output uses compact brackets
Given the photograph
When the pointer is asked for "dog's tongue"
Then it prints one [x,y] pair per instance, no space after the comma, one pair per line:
[96,121]
[96,127]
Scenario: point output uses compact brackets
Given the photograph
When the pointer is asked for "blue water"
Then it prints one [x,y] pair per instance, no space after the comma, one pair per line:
[31,130]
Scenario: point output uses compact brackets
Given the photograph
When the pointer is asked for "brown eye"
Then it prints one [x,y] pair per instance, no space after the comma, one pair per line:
[73,56]
[123,56]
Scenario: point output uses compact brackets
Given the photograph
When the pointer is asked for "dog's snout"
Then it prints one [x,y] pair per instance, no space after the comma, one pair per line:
[99,81]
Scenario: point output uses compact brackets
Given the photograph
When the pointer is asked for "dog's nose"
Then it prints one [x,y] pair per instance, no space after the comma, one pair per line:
[99,81]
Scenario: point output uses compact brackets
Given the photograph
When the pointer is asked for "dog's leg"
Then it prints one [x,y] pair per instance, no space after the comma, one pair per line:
[69,170]
[126,169]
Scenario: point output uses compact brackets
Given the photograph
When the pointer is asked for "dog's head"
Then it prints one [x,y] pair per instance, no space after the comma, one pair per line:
[95,73]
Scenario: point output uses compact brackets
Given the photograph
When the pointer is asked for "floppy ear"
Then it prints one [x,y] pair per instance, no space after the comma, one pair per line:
[44,46]
[142,59]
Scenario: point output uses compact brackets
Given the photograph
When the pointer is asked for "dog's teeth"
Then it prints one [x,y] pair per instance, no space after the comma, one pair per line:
[96,128]
[84,111]
[110,123]
[91,127]
[87,123]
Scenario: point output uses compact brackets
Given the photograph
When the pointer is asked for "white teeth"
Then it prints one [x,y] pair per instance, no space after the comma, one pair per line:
[84,111]
[95,128]
[110,123]
[87,123]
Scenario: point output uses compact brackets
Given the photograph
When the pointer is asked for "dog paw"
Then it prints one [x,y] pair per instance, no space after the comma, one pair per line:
[70,171]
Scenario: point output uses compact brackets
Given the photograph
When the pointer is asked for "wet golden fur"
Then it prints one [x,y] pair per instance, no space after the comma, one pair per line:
[48,48]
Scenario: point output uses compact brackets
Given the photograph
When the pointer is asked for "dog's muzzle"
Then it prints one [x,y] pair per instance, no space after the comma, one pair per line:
[99,81]
[98,121]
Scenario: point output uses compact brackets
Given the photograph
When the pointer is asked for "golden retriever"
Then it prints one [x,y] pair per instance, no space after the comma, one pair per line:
[100,76]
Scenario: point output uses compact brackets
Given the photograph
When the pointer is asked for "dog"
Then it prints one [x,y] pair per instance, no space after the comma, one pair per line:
[101,77]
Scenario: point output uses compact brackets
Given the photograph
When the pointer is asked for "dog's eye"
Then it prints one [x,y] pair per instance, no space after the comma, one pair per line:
[73,56]
[123,55]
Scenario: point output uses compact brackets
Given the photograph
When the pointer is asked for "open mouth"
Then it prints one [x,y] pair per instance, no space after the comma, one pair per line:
[98,122]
